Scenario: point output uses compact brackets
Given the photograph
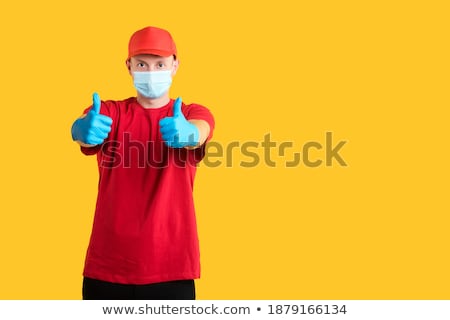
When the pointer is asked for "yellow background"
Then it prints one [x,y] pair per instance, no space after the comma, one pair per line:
[375,73]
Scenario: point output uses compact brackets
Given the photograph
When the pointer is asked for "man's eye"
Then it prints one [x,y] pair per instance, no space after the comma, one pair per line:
[161,65]
[141,65]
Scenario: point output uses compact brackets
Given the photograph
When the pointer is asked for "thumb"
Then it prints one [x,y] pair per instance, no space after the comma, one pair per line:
[96,103]
[177,108]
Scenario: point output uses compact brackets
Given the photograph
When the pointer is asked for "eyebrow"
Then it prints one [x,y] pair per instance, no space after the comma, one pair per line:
[157,61]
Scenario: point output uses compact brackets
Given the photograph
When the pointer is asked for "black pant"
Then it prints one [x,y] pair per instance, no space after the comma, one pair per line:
[173,290]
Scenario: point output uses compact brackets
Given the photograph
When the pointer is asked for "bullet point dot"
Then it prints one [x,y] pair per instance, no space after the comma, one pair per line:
[259,309]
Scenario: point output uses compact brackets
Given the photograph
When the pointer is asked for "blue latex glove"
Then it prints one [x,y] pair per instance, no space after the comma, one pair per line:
[94,128]
[176,131]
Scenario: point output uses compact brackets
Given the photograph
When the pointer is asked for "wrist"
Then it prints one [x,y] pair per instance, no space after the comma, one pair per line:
[194,136]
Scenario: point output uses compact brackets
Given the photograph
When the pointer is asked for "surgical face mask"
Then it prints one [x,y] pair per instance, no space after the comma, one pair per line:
[152,84]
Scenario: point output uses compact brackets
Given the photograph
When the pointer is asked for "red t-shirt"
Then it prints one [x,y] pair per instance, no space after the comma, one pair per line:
[144,228]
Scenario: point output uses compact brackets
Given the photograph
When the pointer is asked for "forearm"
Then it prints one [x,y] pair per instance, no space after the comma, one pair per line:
[203,132]
[85,145]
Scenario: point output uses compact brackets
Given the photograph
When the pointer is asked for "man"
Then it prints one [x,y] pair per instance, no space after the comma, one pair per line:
[144,242]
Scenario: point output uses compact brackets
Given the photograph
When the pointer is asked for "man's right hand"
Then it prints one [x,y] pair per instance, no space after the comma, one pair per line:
[93,128]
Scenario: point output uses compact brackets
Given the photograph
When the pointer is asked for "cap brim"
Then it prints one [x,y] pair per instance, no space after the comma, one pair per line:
[156,52]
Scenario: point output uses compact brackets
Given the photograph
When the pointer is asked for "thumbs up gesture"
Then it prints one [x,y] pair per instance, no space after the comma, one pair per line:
[93,128]
[176,131]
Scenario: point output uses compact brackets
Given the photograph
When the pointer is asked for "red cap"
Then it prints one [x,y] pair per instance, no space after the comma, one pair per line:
[151,40]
